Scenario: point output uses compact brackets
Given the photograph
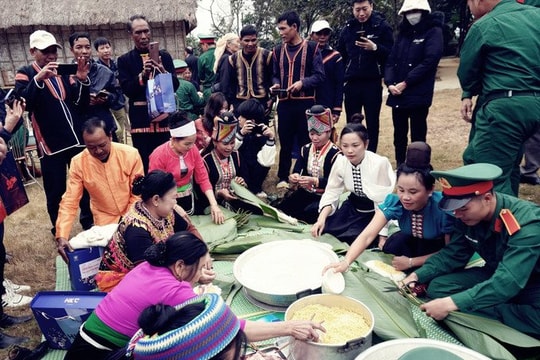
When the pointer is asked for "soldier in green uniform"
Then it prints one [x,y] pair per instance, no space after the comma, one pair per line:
[501,228]
[205,64]
[188,99]
[509,90]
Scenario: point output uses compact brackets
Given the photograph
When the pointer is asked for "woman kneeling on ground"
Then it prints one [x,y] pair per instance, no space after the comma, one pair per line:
[203,328]
[167,276]
[150,220]
[369,178]
[424,228]
[312,168]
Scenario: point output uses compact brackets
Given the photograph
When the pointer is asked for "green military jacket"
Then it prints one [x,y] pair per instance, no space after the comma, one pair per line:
[207,76]
[487,59]
[512,256]
[188,98]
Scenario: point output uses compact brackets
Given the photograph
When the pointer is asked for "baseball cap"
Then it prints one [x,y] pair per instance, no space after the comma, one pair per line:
[41,39]
[461,185]
[320,25]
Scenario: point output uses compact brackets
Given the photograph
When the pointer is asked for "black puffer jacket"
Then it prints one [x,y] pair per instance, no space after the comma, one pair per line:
[363,64]
[414,59]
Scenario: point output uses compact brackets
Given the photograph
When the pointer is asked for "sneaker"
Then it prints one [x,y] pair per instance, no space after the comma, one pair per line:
[282,185]
[262,195]
[16,288]
[12,299]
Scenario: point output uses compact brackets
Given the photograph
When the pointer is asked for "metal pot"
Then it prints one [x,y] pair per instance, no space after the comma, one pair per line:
[308,350]
[278,273]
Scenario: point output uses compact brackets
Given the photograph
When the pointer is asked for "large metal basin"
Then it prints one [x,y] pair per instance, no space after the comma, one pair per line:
[278,273]
[309,350]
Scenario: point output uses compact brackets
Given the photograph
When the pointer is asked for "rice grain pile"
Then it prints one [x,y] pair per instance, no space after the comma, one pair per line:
[341,324]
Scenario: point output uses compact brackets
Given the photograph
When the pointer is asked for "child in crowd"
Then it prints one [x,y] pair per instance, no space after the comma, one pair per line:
[256,145]
[217,103]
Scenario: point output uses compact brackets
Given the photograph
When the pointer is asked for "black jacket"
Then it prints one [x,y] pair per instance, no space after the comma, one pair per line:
[414,59]
[363,64]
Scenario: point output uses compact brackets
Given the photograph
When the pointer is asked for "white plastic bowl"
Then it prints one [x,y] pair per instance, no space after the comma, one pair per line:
[333,282]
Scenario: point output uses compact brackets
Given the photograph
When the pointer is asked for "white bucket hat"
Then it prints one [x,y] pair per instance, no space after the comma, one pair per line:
[409,5]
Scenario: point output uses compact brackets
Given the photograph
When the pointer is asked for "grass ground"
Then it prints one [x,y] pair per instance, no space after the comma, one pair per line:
[29,239]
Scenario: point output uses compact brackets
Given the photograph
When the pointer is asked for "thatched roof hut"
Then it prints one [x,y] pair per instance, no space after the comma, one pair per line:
[170,21]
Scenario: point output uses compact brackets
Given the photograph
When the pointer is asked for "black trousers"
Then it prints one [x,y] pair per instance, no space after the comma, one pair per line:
[255,176]
[147,142]
[401,244]
[400,118]
[54,171]
[366,94]
[292,124]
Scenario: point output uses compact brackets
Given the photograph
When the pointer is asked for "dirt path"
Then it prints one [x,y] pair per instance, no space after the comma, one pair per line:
[447,74]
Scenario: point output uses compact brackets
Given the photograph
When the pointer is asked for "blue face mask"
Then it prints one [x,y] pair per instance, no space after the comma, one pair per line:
[414,18]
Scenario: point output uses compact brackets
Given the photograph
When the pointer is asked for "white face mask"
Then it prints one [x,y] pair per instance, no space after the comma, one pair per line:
[414,18]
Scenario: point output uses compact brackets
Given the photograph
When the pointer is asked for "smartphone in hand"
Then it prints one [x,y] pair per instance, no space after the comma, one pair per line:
[66,69]
[360,35]
[103,94]
[153,48]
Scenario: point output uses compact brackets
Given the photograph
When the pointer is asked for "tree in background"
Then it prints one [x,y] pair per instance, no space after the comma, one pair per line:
[263,13]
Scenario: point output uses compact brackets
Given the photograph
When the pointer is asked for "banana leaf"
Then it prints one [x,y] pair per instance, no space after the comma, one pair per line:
[250,198]
[392,312]
[213,234]
[488,336]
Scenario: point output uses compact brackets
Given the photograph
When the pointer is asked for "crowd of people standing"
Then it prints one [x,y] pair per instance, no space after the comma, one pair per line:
[221,133]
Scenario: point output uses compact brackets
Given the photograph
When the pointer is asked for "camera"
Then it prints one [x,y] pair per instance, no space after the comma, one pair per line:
[10,98]
[257,129]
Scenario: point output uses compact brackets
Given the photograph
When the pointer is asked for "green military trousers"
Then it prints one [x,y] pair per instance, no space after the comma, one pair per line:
[521,312]
[501,126]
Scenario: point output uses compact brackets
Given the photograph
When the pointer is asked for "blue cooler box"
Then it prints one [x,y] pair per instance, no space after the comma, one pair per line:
[60,314]
[83,267]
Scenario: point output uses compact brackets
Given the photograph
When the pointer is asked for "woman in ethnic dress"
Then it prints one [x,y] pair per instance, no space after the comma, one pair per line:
[367,176]
[424,227]
[312,168]
[223,164]
[180,157]
[150,220]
